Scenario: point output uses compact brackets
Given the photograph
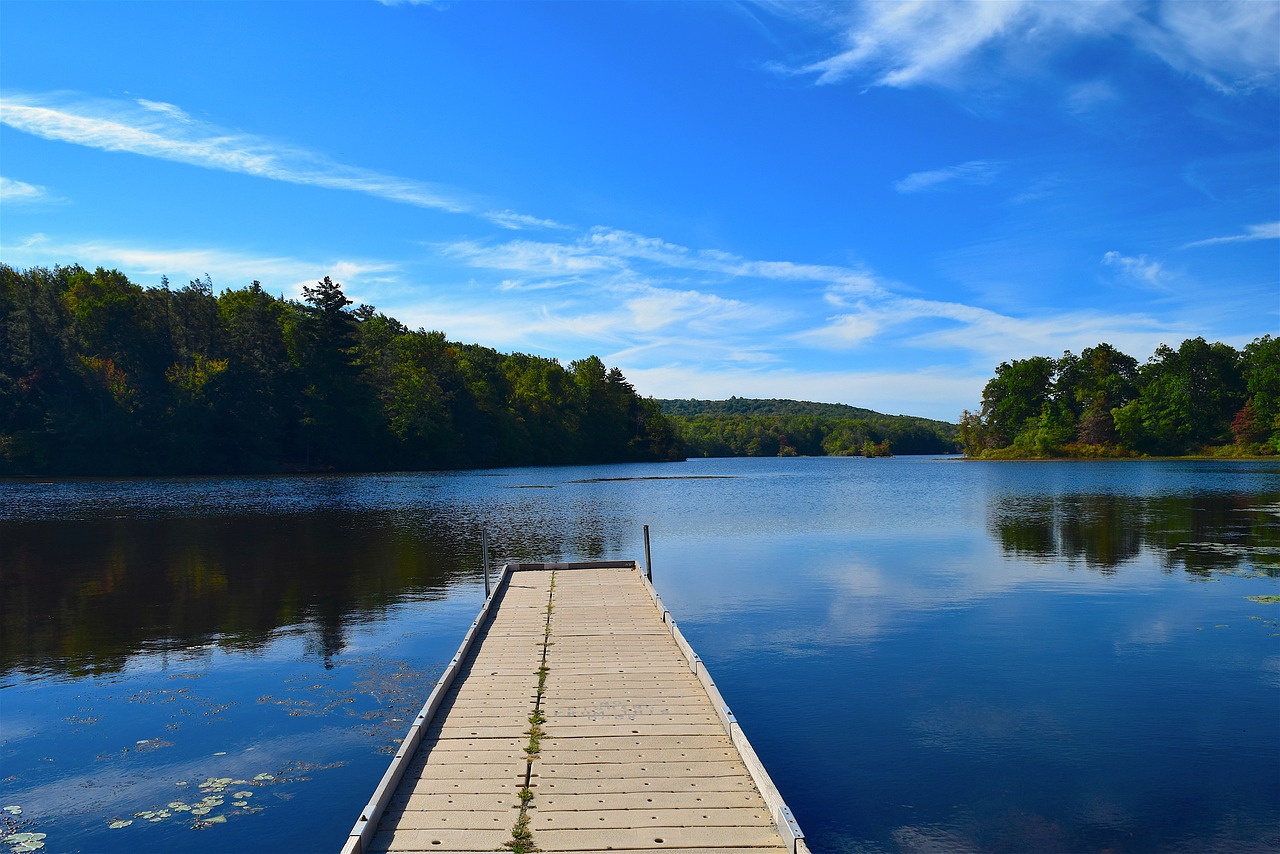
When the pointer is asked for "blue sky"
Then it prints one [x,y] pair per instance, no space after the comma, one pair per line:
[872,204]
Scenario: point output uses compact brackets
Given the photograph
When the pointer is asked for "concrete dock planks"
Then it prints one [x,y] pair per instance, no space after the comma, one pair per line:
[636,752]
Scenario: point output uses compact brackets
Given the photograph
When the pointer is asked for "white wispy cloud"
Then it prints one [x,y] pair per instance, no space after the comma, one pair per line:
[1229,44]
[676,308]
[531,258]
[625,254]
[166,132]
[982,336]
[14,192]
[1140,268]
[654,308]
[1265,231]
[972,172]
[906,44]
[518,221]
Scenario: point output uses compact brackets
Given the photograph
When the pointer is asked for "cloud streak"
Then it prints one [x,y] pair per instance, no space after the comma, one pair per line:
[166,132]
[1265,231]
[972,172]
[21,193]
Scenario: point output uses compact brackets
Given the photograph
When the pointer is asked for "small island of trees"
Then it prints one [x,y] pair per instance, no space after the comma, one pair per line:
[1200,399]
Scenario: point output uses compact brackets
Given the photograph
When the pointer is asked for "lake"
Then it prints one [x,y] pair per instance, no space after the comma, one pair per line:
[927,654]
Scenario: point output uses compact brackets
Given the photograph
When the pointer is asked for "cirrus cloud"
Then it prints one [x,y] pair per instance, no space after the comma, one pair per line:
[1227,44]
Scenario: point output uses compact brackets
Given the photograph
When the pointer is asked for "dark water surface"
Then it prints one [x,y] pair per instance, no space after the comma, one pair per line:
[929,655]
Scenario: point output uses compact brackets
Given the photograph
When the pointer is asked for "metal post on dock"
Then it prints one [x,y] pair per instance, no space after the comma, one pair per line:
[648,563]
[484,553]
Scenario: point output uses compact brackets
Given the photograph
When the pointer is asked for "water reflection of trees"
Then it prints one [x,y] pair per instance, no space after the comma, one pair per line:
[1205,534]
[83,595]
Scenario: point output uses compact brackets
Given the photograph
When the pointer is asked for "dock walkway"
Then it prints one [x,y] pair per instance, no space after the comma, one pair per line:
[575,717]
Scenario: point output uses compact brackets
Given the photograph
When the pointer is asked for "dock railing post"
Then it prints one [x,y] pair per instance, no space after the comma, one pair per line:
[484,555]
[648,562]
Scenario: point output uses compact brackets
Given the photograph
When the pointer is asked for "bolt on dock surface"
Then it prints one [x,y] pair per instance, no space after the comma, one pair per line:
[575,718]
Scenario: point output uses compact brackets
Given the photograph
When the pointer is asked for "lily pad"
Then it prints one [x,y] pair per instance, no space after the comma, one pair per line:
[216,819]
[16,838]
[119,823]
[201,810]
[13,809]
[243,795]
[258,777]
[239,803]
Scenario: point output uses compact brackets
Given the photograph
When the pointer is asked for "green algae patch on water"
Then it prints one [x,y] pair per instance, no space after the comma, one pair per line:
[1265,600]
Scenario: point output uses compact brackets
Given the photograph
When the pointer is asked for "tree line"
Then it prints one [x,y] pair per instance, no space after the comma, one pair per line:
[745,427]
[99,375]
[1201,398]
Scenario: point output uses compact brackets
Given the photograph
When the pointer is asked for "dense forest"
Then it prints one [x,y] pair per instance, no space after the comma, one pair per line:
[743,427]
[99,375]
[1198,399]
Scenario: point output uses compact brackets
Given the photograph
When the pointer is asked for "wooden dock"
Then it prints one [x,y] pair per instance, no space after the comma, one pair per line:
[575,717]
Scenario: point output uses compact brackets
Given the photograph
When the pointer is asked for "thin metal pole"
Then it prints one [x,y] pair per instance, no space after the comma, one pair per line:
[484,551]
[648,562]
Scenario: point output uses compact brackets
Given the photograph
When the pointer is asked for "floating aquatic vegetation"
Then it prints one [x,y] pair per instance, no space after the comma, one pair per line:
[209,822]
[1265,600]
[150,744]
[23,842]
[13,809]
[214,789]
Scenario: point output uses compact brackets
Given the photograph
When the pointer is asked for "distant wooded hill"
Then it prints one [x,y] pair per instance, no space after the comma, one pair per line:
[747,427]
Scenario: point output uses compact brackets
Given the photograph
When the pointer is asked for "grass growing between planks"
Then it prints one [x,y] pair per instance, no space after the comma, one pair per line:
[521,841]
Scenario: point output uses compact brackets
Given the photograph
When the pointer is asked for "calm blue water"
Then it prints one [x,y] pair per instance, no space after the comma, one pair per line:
[928,654]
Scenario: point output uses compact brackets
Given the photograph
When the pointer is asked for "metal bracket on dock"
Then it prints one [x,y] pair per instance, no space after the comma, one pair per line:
[784,812]
[729,722]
